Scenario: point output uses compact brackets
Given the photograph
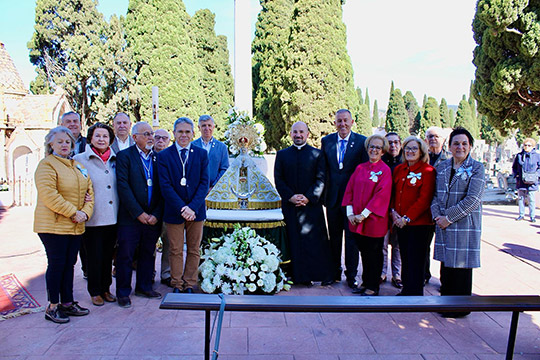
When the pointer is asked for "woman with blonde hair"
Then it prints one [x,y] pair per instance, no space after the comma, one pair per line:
[61,211]
[412,193]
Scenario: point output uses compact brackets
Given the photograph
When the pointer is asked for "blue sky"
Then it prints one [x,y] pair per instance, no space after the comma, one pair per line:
[423,45]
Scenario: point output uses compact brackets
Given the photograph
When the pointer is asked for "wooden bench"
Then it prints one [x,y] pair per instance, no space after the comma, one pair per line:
[355,304]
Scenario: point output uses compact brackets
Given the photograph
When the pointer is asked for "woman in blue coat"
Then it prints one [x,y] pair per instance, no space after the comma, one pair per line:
[526,169]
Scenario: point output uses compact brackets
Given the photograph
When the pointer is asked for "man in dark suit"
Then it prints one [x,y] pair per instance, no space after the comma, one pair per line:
[299,176]
[343,151]
[72,121]
[122,127]
[139,215]
[183,171]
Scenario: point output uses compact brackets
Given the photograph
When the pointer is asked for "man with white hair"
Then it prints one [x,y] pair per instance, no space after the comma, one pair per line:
[139,214]
[121,126]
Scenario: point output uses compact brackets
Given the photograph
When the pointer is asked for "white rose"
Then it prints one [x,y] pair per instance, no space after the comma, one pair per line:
[251,287]
[252,277]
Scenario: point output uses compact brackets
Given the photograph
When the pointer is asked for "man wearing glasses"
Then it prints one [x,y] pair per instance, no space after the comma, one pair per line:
[437,154]
[139,214]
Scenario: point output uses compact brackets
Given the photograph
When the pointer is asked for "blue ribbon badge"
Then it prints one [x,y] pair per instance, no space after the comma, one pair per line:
[414,177]
[464,172]
[375,176]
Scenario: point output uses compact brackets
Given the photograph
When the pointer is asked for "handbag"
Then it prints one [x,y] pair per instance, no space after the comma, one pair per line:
[529,177]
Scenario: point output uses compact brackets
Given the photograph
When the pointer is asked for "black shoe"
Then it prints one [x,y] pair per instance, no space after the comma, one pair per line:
[56,315]
[359,290]
[352,283]
[519,218]
[151,294]
[327,282]
[397,283]
[176,291]
[124,302]
[369,292]
[533,220]
[74,309]
[166,281]
[188,291]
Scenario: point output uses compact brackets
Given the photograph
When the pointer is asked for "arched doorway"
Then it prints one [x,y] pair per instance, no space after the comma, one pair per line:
[24,164]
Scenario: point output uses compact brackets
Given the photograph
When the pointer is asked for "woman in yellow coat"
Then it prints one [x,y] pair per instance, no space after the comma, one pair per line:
[61,211]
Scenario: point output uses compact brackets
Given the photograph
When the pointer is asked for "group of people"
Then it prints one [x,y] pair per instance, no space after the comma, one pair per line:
[111,196]
[380,191]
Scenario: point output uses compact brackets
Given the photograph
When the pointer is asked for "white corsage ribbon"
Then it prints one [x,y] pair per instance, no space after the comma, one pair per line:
[375,176]
[414,177]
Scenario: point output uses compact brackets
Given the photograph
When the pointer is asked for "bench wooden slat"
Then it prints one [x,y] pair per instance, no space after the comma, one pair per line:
[342,304]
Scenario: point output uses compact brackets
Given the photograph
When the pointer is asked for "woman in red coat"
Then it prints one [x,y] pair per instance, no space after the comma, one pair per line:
[413,189]
[367,198]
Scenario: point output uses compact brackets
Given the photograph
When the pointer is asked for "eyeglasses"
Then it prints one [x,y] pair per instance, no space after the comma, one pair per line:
[375,147]
[411,149]
[147,134]
[157,137]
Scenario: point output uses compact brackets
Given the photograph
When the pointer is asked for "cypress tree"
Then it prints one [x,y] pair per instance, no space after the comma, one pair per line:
[367,101]
[507,60]
[445,115]
[270,97]
[464,117]
[319,75]
[360,97]
[430,117]
[397,119]
[217,82]
[412,112]
[375,121]
[452,116]
[67,48]
[165,56]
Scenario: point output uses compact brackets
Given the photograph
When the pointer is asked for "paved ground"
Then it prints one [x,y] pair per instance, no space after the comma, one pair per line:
[510,265]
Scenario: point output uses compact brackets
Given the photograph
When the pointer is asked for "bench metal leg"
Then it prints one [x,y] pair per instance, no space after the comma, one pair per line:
[207,335]
[512,336]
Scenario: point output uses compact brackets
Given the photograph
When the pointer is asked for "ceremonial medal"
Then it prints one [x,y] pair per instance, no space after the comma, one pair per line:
[149,182]
[183,181]
[340,166]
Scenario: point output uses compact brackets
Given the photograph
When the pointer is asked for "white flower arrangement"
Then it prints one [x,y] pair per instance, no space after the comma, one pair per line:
[243,132]
[242,262]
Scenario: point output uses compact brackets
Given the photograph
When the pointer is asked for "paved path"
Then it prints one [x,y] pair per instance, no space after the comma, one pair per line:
[510,265]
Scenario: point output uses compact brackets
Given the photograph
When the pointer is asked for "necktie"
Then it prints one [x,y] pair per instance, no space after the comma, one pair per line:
[183,154]
[342,147]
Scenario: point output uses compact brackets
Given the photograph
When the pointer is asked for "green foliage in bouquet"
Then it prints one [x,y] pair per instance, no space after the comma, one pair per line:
[241,262]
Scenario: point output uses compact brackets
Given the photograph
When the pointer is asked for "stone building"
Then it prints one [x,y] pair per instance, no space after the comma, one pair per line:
[25,119]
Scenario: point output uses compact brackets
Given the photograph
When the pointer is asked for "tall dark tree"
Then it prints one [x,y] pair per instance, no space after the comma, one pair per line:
[507,60]
[464,117]
[452,116]
[164,56]
[319,75]
[212,54]
[368,101]
[360,96]
[270,97]
[412,112]
[397,119]
[445,115]
[67,48]
[375,121]
[117,76]
[430,117]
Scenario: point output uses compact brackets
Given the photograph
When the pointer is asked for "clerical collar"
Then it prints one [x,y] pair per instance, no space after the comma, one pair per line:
[300,147]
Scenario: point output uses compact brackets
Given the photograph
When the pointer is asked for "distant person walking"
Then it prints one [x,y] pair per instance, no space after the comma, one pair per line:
[526,170]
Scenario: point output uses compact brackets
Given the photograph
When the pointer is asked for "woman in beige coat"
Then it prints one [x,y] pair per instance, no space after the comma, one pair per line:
[61,211]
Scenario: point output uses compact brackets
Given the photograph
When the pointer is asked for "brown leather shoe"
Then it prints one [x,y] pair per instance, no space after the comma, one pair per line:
[108,297]
[97,300]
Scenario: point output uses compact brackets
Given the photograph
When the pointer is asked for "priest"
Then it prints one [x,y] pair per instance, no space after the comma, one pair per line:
[299,176]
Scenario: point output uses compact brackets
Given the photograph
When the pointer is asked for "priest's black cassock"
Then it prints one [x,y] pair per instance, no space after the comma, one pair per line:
[301,171]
